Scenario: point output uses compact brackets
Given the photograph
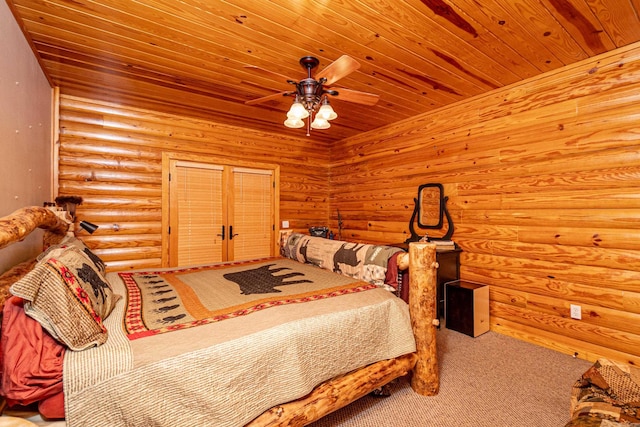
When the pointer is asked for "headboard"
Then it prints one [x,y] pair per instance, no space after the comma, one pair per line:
[18,225]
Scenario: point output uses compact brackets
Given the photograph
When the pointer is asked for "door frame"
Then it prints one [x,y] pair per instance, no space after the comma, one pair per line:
[168,157]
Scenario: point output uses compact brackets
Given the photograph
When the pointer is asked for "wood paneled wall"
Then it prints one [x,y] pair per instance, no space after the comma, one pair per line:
[111,156]
[543,180]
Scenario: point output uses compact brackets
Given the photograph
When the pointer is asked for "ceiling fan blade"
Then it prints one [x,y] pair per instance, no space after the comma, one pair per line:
[268,73]
[267,98]
[338,69]
[358,97]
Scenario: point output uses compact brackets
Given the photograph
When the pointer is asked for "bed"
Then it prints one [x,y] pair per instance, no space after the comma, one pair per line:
[286,354]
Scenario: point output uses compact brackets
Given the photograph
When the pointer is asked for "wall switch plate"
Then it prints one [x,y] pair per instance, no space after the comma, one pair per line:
[285,224]
[576,312]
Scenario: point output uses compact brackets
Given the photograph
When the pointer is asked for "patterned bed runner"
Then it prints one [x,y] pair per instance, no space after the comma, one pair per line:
[164,301]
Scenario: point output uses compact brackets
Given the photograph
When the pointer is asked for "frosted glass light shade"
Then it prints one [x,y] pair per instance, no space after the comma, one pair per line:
[326,112]
[297,111]
[320,123]
[293,123]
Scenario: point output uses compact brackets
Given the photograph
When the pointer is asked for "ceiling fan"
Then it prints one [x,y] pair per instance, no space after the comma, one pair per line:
[311,94]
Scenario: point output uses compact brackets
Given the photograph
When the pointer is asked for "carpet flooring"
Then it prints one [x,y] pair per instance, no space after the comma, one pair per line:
[491,380]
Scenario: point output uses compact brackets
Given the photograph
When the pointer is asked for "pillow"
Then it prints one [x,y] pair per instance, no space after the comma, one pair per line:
[69,297]
[70,241]
[67,240]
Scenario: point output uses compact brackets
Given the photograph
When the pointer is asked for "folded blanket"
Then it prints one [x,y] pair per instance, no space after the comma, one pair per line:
[607,394]
[31,366]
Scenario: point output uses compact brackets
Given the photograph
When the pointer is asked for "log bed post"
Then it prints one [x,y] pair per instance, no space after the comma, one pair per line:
[19,224]
[422,306]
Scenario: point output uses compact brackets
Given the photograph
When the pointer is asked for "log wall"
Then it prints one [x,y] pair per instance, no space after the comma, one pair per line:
[543,179]
[111,156]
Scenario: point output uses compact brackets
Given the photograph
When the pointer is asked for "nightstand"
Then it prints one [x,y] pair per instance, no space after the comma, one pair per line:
[467,307]
[448,271]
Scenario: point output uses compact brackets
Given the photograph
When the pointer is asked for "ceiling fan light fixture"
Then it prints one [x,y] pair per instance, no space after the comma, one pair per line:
[311,93]
[294,123]
[297,111]
[320,123]
[326,111]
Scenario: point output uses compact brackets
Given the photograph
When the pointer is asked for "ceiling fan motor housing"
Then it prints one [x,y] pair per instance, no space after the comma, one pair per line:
[310,91]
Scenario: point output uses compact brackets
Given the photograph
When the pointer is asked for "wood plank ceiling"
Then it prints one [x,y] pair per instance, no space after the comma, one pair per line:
[190,57]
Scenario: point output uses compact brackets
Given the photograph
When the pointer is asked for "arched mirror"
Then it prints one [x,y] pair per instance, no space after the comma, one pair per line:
[429,212]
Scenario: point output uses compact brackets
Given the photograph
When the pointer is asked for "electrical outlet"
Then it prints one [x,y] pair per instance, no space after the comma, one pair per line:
[285,224]
[576,312]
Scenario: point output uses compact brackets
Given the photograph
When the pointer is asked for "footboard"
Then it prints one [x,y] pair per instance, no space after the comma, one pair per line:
[336,393]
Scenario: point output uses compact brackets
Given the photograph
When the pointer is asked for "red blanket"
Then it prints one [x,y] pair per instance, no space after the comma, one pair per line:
[30,362]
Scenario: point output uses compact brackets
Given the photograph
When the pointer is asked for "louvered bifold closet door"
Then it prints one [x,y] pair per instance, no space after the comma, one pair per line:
[199,194]
[252,216]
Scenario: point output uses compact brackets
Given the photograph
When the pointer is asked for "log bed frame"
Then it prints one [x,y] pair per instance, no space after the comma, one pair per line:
[330,395]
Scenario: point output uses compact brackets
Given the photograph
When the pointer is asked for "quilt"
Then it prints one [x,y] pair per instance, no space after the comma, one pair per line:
[219,345]
[358,260]
[176,299]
